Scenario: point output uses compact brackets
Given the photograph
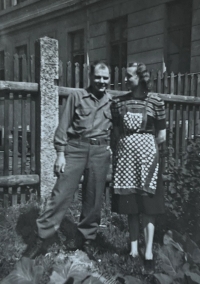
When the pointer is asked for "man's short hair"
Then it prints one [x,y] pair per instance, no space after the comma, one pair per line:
[101,65]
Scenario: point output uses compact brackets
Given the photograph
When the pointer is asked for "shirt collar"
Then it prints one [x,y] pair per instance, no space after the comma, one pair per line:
[107,96]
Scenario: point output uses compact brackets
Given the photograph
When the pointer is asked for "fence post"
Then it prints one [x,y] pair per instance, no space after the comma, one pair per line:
[69,74]
[116,80]
[16,67]
[159,78]
[47,72]
[85,75]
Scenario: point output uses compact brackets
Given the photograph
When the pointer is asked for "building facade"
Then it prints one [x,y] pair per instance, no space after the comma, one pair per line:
[164,34]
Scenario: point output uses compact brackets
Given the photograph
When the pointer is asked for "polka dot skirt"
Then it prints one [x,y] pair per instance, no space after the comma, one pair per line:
[136,162]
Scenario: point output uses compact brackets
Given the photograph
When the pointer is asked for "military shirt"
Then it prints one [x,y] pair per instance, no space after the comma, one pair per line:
[83,115]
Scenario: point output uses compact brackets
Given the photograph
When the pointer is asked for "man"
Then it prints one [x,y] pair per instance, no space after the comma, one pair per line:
[82,145]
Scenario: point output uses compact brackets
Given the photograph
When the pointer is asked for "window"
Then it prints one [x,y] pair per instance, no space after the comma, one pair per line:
[2,66]
[118,44]
[179,36]
[21,51]
[77,53]
[2,4]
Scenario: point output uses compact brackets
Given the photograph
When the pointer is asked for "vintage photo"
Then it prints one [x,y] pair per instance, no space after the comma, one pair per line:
[99,141]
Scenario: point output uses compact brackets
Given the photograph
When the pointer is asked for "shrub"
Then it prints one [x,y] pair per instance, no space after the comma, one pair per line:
[183,196]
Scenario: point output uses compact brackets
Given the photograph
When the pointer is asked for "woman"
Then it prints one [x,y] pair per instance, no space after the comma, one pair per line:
[138,128]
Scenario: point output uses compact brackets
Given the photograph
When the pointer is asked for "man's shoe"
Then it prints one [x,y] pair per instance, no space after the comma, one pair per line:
[88,248]
[36,249]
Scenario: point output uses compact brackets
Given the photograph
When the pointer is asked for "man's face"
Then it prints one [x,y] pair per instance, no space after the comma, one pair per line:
[100,79]
[132,79]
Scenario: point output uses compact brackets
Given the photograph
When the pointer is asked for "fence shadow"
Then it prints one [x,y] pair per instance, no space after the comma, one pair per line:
[26,225]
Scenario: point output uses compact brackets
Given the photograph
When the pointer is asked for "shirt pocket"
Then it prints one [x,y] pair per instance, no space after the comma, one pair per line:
[83,117]
[106,122]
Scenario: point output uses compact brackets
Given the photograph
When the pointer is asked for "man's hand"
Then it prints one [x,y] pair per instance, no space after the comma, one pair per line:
[60,162]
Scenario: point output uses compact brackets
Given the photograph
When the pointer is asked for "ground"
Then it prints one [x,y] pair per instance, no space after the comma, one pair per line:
[111,250]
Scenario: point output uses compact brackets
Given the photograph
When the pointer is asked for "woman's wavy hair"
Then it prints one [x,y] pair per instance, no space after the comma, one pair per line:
[143,74]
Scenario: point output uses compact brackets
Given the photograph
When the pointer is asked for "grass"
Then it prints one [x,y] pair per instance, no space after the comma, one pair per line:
[18,229]
[111,247]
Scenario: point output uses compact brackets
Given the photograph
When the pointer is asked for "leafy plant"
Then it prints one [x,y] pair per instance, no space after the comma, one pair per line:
[12,243]
[178,260]
[183,198]
[76,268]
[25,272]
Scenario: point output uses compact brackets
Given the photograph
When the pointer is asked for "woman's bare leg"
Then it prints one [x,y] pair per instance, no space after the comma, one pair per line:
[149,228]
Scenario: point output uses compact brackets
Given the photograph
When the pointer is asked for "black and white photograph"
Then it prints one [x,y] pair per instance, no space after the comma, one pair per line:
[100,142]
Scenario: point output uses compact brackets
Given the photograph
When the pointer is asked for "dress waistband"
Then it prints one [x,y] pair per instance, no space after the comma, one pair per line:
[130,132]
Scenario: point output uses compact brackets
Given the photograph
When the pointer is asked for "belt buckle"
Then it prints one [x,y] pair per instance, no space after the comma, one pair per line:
[93,141]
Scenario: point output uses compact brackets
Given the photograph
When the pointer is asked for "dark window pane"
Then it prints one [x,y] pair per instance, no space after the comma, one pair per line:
[1,59]
[2,67]
[21,50]
[115,55]
[116,32]
[2,75]
[1,5]
[124,54]
[77,55]
[124,29]
[179,36]
[80,60]
[77,40]
[118,45]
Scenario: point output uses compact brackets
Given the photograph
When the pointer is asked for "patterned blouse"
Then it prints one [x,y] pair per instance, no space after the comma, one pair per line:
[155,108]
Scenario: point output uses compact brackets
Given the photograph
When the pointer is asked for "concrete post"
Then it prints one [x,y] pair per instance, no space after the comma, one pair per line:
[47,70]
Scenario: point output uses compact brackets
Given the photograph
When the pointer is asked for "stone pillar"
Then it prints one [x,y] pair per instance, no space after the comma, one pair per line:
[47,70]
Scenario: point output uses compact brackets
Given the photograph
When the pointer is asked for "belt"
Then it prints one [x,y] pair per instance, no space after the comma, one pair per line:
[93,141]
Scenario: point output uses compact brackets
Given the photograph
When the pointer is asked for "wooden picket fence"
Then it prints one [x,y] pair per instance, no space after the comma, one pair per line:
[23,69]
[181,93]
[18,158]
[179,84]
[18,132]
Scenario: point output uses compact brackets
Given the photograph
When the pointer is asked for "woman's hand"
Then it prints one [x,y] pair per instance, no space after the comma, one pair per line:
[161,136]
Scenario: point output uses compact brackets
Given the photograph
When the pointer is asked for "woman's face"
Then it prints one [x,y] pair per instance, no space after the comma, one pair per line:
[131,79]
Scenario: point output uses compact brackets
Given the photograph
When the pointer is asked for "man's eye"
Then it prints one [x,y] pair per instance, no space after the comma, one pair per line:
[99,77]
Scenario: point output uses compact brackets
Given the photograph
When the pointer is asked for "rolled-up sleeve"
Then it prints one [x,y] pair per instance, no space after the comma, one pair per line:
[160,121]
[60,138]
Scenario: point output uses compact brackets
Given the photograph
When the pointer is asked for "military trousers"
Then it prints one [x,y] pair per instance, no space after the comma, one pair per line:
[82,158]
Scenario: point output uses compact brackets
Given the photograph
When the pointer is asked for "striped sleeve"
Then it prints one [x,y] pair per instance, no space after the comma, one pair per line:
[160,116]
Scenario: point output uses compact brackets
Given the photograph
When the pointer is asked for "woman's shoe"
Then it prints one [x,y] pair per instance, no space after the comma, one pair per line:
[149,266]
